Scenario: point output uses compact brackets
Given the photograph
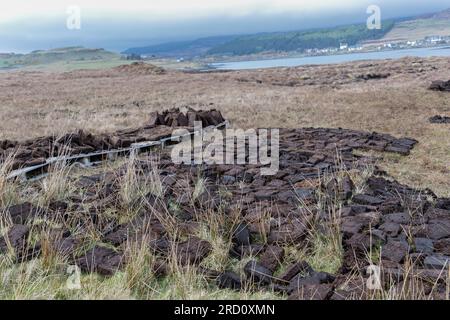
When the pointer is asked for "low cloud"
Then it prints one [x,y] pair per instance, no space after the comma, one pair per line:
[119,25]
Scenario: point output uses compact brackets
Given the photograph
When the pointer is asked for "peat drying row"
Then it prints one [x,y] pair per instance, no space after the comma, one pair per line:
[318,188]
[34,157]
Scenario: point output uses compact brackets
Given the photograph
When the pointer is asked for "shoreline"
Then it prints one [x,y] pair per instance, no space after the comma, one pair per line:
[218,65]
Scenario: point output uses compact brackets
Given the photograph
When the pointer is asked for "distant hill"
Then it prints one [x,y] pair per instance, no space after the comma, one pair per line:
[443,15]
[275,41]
[301,40]
[435,24]
[68,54]
[186,49]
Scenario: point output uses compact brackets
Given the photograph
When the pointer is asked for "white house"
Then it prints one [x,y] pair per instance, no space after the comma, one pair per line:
[343,46]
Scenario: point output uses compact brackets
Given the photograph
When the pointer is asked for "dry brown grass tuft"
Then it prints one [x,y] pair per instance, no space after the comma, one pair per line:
[8,188]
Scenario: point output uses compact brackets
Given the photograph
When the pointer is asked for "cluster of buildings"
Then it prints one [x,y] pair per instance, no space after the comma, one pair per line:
[381,45]
[343,48]
[430,41]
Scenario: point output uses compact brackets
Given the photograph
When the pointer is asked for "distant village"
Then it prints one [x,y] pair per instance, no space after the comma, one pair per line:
[382,45]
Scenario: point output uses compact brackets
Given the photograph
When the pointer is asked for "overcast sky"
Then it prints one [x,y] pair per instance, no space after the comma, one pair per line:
[26,25]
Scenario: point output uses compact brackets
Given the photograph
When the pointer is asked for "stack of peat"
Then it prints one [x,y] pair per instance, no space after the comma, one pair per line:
[35,151]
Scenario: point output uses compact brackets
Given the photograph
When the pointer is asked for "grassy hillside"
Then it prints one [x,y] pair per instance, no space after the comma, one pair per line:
[417,28]
[60,55]
[301,40]
[420,28]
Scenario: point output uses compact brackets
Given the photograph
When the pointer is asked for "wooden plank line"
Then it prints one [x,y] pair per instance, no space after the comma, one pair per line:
[87,160]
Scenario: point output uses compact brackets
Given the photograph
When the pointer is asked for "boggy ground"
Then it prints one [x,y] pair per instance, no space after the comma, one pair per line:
[40,103]
[335,216]
[308,232]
